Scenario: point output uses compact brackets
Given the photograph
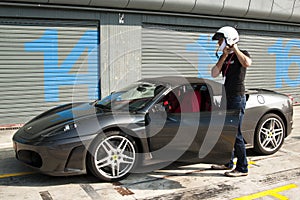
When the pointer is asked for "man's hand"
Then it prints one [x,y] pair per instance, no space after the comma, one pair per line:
[227,50]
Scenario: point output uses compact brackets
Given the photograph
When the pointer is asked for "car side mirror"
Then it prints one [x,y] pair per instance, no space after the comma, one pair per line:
[158,114]
[158,108]
[158,111]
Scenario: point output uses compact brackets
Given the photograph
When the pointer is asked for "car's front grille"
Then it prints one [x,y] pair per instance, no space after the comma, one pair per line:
[30,157]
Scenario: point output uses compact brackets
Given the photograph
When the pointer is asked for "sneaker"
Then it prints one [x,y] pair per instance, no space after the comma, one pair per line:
[235,173]
[220,167]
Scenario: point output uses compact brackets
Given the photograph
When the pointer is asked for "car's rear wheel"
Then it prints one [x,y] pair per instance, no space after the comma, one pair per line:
[112,156]
[269,135]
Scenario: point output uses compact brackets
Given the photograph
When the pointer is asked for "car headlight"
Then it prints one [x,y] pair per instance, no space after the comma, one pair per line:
[63,129]
[69,127]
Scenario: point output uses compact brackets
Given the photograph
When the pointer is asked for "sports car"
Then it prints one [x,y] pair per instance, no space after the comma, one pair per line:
[148,125]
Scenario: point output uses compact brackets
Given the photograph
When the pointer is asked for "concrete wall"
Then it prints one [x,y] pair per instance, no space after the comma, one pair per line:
[279,10]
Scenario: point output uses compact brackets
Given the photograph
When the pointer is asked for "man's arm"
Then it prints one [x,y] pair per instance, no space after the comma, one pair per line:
[244,59]
[216,70]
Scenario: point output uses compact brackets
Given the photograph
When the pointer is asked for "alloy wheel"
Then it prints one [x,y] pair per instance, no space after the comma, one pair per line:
[114,157]
[271,134]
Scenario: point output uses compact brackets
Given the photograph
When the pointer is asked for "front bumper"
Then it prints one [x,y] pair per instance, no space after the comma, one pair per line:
[65,157]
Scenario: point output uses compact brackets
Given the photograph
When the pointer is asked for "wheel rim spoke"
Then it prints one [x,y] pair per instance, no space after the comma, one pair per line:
[130,159]
[107,147]
[272,124]
[265,142]
[113,170]
[103,162]
[274,142]
[124,146]
[278,132]
[265,131]
[118,168]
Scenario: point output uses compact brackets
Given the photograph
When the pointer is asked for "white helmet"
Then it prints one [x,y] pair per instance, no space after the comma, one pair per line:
[229,33]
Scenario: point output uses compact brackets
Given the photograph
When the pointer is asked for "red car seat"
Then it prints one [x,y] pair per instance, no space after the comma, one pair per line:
[191,102]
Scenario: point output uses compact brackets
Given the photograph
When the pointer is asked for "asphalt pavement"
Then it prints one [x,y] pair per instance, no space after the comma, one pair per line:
[270,177]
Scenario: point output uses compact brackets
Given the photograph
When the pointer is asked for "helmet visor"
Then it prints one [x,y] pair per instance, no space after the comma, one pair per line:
[217,36]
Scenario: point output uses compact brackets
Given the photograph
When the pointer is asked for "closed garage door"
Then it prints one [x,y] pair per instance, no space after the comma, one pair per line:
[44,64]
[189,51]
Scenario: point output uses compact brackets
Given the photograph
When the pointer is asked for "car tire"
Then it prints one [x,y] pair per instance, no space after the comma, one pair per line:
[112,156]
[269,134]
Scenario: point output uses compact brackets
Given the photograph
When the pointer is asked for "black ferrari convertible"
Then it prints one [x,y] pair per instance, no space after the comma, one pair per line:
[152,122]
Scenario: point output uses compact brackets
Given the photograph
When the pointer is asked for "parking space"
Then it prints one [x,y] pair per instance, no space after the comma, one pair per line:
[271,177]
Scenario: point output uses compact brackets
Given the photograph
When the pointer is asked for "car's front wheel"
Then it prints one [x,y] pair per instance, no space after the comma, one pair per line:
[269,135]
[112,156]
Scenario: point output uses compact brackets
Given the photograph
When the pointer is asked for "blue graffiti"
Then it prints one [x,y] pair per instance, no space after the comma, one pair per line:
[55,74]
[205,49]
[284,61]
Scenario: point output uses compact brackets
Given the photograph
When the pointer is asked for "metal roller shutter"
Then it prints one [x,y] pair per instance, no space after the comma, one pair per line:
[44,64]
[173,51]
[276,61]
[189,51]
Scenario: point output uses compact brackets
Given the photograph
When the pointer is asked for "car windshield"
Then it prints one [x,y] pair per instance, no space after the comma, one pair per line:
[132,98]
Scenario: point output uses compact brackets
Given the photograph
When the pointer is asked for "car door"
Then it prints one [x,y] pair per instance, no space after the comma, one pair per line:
[170,134]
[206,136]
[168,126]
[215,137]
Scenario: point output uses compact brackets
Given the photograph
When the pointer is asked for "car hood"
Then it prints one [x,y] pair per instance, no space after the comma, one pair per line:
[60,115]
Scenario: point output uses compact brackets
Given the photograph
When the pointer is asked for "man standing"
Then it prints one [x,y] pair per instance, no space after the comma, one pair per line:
[233,64]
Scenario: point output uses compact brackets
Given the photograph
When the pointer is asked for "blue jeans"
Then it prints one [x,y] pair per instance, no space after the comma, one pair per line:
[238,102]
